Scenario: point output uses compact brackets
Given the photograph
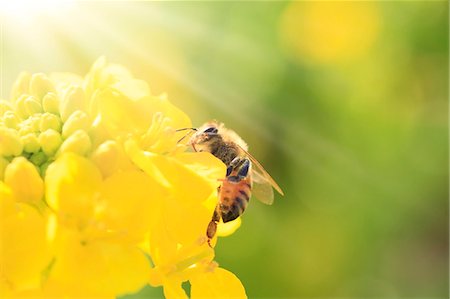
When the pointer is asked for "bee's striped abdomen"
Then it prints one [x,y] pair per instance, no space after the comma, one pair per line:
[235,191]
[233,198]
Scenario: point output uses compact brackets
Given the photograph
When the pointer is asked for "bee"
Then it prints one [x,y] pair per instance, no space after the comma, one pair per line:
[245,175]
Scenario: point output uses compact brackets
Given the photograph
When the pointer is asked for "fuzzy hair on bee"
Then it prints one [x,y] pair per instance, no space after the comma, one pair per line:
[223,143]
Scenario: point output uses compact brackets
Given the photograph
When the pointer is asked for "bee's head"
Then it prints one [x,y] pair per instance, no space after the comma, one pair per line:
[210,130]
[204,136]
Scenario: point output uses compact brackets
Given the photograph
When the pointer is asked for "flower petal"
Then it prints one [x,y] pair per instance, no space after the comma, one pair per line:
[187,222]
[186,170]
[163,248]
[98,268]
[205,164]
[226,229]
[64,80]
[218,283]
[24,180]
[133,89]
[173,290]
[24,252]
[130,203]
[122,115]
[176,118]
[72,184]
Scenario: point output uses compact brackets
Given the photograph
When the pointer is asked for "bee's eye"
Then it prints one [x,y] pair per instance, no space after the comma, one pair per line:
[211,130]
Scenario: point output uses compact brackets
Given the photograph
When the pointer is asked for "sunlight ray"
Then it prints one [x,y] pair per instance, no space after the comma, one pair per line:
[217,92]
[311,158]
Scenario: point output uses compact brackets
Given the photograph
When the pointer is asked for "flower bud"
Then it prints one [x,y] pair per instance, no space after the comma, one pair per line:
[32,105]
[50,103]
[10,119]
[50,121]
[106,157]
[78,120]
[30,143]
[25,128]
[43,168]
[21,85]
[79,142]
[35,122]
[5,106]
[74,99]
[20,106]
[40,85]
[23,178]
[38,158]
[98,132]
[50,141]
[10,143]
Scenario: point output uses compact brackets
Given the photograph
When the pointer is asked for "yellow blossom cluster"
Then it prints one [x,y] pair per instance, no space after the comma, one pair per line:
[97,198]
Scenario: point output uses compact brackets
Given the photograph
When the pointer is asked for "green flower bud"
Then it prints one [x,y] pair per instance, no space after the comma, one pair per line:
[50,121]
[78,120]
[10,143]
[43,168]
[40,85]
[30,143]
[50,141]
[50,103]
[79,142]
[74,99]
[38,158]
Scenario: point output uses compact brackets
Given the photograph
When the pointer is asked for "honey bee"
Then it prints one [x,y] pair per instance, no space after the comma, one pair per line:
[245,175]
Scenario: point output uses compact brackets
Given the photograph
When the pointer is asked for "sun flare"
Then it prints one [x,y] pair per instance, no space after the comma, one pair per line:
[27,9]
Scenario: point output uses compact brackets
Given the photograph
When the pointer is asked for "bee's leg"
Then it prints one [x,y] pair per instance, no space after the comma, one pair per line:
[212,226]
[236,163]
[211,231]
[244,169]
[229,170]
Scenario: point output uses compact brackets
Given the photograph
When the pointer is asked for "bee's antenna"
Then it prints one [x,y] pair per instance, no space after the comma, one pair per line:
[184,129]
[187,134]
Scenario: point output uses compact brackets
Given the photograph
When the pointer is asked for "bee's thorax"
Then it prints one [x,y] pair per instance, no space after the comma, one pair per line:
[225,151]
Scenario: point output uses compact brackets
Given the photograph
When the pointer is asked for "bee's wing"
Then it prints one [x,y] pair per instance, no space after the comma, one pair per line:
[261,188]
[261,172]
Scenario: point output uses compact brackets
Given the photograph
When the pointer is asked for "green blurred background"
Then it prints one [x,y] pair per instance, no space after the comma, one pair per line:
[345,103]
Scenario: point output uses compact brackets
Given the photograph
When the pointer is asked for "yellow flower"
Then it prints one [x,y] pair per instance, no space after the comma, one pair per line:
[327,32]
[17,172]
[218,283]
[24,250]
[93,177]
